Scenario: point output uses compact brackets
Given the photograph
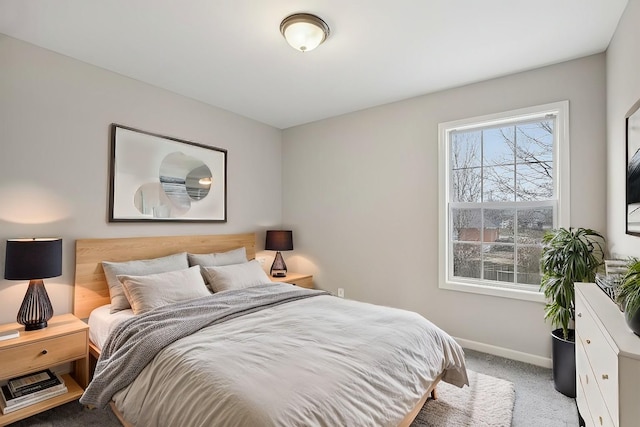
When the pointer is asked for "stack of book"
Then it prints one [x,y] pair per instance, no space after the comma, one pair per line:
[26,390]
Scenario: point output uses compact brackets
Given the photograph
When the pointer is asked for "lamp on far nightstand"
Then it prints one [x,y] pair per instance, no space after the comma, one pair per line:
[34,260]
[279,240]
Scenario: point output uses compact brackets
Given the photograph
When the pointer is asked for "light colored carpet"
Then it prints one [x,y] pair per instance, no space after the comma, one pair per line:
[538,404]
[487,402]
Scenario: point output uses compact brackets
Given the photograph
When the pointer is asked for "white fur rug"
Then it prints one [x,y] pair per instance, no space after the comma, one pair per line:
[487,402]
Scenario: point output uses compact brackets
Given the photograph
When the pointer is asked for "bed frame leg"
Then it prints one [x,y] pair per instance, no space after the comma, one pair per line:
[434,394]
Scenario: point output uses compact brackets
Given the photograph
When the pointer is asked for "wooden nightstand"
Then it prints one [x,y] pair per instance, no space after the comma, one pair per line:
[65,340]
[298,279]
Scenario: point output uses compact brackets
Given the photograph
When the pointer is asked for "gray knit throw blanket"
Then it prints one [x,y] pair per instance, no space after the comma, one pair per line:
[136,341]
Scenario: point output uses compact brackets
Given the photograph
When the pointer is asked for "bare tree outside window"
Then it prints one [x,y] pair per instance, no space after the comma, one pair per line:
[501,200]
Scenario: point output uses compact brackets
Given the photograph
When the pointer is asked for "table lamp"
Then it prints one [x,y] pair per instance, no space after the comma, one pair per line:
[279,240]
[34,260]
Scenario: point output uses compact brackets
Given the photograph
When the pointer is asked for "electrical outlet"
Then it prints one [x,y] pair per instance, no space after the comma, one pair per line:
[341,292]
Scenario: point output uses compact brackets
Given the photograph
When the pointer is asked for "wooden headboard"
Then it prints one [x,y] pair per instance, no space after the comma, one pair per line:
[91,289]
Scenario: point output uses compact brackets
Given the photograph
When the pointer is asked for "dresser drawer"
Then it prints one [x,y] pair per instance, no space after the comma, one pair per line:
[601,357]
[590,400]
[581,402]
[45,353]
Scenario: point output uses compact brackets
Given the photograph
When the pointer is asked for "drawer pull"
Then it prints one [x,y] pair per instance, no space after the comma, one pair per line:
[605,376]
[44,351]
[579,314]
[586,377]
[588,341]
[600,420]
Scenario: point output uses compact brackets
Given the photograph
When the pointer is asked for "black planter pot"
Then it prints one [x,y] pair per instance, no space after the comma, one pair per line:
[633,322]
[564,362]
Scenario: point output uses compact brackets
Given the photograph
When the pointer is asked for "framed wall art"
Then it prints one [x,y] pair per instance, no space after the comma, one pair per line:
[159,178]
[633,170]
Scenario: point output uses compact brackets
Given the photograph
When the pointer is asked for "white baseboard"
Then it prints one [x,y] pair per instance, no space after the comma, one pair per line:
[545,362]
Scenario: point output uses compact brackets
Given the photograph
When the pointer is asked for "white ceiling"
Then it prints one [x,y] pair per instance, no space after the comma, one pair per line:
[230,53]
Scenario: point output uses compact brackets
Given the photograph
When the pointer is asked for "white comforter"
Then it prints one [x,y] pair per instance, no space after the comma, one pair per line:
[320,361]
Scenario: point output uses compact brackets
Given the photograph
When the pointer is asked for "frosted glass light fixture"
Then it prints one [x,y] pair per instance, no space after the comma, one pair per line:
[304,31]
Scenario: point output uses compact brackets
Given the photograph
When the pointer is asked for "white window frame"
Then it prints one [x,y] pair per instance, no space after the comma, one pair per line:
[561,171]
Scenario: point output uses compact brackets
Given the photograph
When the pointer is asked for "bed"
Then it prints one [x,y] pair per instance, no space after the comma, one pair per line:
[273,354]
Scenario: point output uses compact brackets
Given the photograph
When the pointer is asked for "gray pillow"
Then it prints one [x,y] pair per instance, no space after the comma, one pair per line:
[155,290]
[236,276]
[235,256]
[140,267]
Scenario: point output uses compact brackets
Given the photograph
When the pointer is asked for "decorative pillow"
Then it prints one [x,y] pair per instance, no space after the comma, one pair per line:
[235,256]
[155,290]
[140,267]
[236,276]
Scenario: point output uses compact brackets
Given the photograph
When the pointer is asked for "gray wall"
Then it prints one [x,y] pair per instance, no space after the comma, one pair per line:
[361,193]
[55,114]
[623,90]
[360,190]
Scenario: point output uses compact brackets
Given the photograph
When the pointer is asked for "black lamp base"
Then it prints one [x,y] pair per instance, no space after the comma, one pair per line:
[36,307]
[278,268]
[35,326]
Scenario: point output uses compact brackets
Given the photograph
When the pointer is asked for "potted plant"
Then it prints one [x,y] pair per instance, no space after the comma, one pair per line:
[628,295]
[568,256]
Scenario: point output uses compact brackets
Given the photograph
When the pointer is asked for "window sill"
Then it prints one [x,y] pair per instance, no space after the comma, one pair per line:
[494,291]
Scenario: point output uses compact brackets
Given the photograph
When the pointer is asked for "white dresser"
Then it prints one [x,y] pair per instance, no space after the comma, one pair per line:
[607,361]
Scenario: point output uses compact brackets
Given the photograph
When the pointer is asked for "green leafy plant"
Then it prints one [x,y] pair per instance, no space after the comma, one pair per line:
[568,256]
[628,294]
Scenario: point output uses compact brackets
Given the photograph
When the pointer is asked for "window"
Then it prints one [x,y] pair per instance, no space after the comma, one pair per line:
[503,184]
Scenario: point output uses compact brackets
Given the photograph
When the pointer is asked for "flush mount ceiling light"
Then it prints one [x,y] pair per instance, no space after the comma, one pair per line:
[304,31]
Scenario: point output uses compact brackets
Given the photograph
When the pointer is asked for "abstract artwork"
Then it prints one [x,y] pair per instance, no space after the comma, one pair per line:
[633,170]
[159,178]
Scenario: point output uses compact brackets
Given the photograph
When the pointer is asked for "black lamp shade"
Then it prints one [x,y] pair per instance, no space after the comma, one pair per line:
[34,260]
[279,240]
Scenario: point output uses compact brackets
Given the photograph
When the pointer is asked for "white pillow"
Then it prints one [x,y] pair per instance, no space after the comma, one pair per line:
[236,276]
[155,290]
[139,267]
[235,256]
